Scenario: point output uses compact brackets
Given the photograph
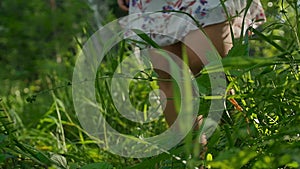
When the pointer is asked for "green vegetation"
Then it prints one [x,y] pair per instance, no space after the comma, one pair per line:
[39,42]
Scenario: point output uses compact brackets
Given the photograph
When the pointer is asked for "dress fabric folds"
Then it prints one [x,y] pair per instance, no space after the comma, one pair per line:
[158,19]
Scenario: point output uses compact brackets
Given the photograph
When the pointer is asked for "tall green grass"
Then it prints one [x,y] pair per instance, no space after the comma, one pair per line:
[265,134]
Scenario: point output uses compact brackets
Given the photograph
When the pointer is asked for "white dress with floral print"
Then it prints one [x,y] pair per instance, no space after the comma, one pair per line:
[165,27]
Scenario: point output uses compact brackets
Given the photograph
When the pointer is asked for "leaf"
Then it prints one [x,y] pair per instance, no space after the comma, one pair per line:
[59,159]
[233,158]
[265,38]
[4,157]
[293,164]
[268,69]
[244,63]
[151,162]
[3,138]
[146,38]
[101,165]
[43,158]
[239,49]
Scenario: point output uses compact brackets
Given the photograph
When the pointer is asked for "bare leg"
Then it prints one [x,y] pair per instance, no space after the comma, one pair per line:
[166,86]
[197,46]
[220,36]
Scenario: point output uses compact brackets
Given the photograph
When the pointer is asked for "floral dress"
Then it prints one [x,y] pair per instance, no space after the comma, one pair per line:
[165,27]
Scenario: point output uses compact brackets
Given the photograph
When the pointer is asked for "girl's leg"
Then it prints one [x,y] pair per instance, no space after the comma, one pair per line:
[166,85]
[220,36]
[197,46]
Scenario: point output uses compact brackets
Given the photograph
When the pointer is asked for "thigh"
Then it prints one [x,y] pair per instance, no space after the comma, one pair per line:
[220,36]
[159,61]
[198,47]
[217,38]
